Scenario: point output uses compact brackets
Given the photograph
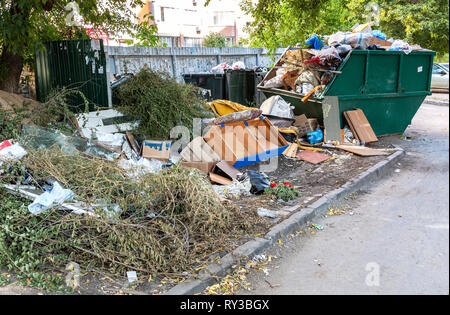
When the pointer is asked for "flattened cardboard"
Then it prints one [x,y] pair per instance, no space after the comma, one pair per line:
[312,157]
[159,150]
[228,169]
[204,167]
[220,179]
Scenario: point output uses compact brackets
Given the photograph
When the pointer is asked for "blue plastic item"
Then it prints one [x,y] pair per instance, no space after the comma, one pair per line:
[379,34]
[314,42]
[315,136]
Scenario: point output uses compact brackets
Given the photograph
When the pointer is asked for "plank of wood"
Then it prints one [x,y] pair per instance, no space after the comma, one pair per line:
[352,128]
[291,151]
[362,151]
[362,126]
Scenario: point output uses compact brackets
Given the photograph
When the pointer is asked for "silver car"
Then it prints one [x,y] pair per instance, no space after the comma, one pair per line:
[439,79]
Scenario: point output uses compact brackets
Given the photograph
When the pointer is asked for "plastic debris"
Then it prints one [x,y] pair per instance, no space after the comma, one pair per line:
[116,139]
[238,65]
[276,106]
[315,136]
[47,200]
[34,138]
[399,45]
[263,212]
[132,276]
[236,189]
[354,39]
[314,42]
[141,167]
[379,34]
[10,151]
[317,227]
[259,182]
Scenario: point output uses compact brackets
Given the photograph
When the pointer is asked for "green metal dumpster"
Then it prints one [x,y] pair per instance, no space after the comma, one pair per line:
[389,86]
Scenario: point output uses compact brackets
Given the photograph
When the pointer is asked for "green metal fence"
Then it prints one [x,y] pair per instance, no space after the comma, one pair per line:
[79,64]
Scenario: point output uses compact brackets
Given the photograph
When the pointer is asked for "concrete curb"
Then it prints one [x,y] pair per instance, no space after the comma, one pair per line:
[295,222]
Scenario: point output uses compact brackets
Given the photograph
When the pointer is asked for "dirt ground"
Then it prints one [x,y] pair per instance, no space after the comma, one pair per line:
[313,181]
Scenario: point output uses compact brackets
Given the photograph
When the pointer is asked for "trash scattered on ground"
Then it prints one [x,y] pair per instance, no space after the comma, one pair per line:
[263,212]
[11,151]
[132,276]
[317,227]
[47,200]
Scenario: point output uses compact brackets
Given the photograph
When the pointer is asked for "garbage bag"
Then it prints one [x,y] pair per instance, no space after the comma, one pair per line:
[259,182]
[401,45]
[379,34]
[314,42]
[315,136]
[348,38]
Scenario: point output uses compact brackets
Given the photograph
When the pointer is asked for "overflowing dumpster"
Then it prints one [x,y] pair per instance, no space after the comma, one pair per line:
[389,86]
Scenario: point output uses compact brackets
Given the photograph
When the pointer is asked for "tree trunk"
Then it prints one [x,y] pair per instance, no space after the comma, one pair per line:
[11,66]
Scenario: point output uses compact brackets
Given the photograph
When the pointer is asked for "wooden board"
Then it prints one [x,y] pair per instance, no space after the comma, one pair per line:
[362,151]
[350,125]
[361,126]
[291,151]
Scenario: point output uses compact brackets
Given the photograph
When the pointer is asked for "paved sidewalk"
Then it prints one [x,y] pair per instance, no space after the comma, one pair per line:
[401,226]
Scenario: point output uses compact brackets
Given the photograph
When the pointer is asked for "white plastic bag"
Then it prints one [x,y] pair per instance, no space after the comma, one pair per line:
[401,45]
[57,196]
[239,65]
[12,153]
[348,38]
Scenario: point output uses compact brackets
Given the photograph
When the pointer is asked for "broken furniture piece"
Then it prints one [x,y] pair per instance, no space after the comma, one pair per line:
[245,143]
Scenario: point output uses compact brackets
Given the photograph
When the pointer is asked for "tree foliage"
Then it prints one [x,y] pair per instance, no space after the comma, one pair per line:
[281,23]
[422,22]
[215,40]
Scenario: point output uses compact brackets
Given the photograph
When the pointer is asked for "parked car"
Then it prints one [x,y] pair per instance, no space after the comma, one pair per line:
[439,79]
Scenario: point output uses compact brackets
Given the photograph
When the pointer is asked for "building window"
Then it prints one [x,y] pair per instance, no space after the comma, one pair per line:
[162,14]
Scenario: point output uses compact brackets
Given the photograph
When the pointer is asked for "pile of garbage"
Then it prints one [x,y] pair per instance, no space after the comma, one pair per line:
[307,68]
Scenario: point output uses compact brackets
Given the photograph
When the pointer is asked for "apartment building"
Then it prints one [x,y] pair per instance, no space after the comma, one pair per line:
[184,23]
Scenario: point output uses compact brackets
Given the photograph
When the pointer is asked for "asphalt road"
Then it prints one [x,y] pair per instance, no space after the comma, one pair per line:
[393,240]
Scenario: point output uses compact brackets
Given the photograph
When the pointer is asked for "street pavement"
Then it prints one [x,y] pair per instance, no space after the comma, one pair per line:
[393,240]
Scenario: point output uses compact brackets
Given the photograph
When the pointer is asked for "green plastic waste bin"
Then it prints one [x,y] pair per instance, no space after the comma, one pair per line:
[241,87]
[389,86]
[209,81]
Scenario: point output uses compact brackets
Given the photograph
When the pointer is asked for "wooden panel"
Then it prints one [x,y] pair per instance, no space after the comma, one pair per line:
[352,128]
[362,151]
[361,126]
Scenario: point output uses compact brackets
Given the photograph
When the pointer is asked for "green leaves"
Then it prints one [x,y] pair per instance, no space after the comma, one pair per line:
[424,22]
[215,40]
[282,23]
[285,23]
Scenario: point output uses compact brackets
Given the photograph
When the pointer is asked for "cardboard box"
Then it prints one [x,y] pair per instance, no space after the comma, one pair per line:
[153,149]
[305,125]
